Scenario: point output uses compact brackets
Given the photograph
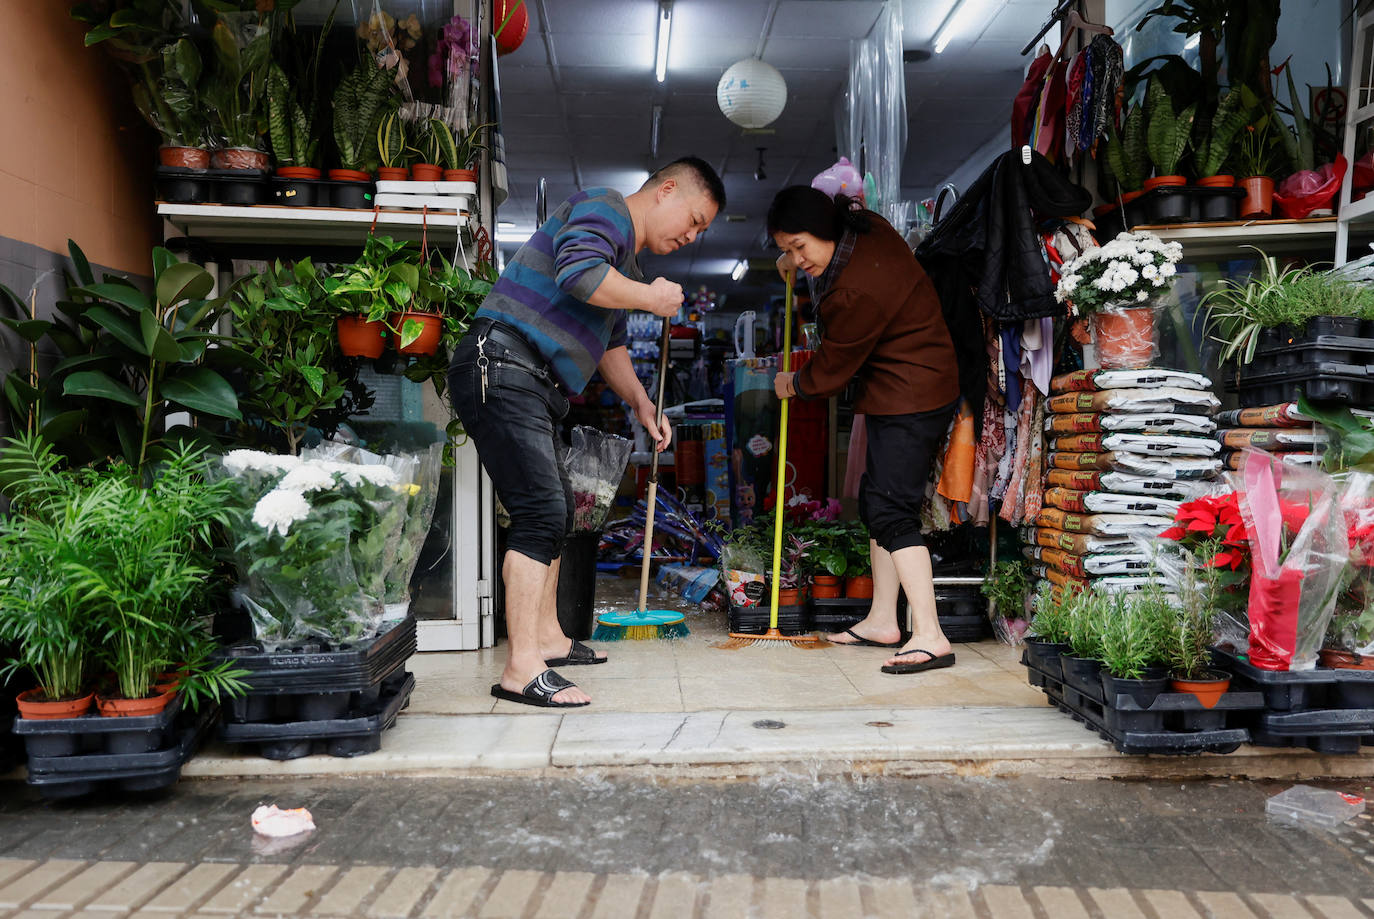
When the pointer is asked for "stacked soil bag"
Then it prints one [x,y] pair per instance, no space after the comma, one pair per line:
[1279,429]
[1126,447]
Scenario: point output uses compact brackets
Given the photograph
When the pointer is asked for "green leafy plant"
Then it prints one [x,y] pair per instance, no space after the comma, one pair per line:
[237,83]
[1352,437]
[1214,138]
[797,565]
[1128,270]
[1188,640]
[1256,156]
[392,147]
[1006,588]
[1050,618]
[359,103]
[382,282]
[1167,133]
[1127,157]
[455,294]
[1133,629]
[127,359]
[1085,614]
[748,547]
[293,95]
[439,144]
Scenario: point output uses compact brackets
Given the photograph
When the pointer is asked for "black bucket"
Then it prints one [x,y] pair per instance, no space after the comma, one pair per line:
[355,195]
[577,585]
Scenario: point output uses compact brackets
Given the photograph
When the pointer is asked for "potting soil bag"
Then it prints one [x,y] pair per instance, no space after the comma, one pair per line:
[1283,415]
[1119,525]
[1059,578]
[1079,461]
[1132,583]
[1233,459]
[1091,566]
[1153,422]
[1149,378]
[1076,543]
[1299,552]
[1161,444]
[1287,439]
[1165,399]
[1121,483]
[1103,502]
[596,464]
[1164,467]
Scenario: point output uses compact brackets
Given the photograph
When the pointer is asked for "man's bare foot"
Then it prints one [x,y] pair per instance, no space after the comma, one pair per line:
[561,648]
[515,680]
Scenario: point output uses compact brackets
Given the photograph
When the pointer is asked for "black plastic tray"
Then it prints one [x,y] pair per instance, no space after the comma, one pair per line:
[840,613]
[794,619]
[95,733]
[309,668]
[309,706]
[1197,200]
[1299,690]
[1320,381]
[359,734]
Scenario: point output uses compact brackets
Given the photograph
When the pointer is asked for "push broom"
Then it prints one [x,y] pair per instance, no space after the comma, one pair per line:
[647,623]
[744,639]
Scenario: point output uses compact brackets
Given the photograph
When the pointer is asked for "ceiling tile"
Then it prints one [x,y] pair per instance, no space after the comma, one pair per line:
[808,53]
[604,17]
[599,49]
[843,19]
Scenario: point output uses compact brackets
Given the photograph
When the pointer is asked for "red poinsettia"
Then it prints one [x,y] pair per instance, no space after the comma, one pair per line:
[1213,519]
[1359,523]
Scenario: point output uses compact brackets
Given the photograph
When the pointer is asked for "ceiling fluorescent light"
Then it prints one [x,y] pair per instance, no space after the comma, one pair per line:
[665,29]
[740,268]
[958,17]
[513,235]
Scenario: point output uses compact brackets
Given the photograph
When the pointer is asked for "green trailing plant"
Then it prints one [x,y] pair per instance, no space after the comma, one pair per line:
[1126,154]
[1167,133]
[381,284]
[127,359]
[1006,588]
[1050,617]
[455,294]
[282,320]
[1214,138]
[237,83]
[359,103]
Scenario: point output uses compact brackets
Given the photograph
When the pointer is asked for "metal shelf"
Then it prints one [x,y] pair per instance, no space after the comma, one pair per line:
[269,223]
[1203,240]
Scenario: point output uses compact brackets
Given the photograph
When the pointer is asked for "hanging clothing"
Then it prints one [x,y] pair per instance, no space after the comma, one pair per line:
[1078,69]
[1108,79]
[1048,135]
[1027,97]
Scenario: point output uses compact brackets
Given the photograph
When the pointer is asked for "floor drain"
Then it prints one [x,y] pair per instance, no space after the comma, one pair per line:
[767,725]
[879,724]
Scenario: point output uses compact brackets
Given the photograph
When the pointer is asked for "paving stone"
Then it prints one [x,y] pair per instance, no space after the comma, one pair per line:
[729,896]
[785,898]
[561,898]
[297,889]
[675,897]
[244,890]
[945,903]
[11,867]
[619,897]
[84,886]
[456,893]
[192,887]
[838,898]
[407,888]
[137,887]
[1329,907]
[1061,902]
[1005,902]
[34,882]
[1224,905]
[95,914]
[346,897]
[891,897]
[1171,903]
[511,895]
[1280,906]
[1115,902]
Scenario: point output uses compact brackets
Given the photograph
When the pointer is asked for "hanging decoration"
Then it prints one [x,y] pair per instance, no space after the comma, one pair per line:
[512,24]
[751,93]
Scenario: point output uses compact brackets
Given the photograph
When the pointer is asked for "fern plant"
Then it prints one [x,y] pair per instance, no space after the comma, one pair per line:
[358,107]
[1167,133]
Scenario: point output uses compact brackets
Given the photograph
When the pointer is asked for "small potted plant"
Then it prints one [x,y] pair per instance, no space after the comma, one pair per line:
[1214,145]
[359,104]
[426,150]
[1084,613]
[1256,164]
[745,557]
[795,571]
[1007,588]
[1167,134]
[294,142]
[392,148]
[460,154]
[1048,634]
[1129,163]
[1189,638]
[1114,285]
[237,94]
[372,293]
[1131,645]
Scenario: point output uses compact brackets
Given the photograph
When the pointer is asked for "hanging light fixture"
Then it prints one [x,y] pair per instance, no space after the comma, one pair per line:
[751,93]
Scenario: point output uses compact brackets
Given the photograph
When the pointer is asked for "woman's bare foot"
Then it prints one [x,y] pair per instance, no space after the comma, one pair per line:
[937,646]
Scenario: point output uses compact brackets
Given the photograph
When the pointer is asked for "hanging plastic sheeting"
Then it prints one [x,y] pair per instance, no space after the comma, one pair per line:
[876,96]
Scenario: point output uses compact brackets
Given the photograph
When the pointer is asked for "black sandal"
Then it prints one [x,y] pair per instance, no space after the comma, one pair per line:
[578,655]
[930,663]
[539,692]
[862,642]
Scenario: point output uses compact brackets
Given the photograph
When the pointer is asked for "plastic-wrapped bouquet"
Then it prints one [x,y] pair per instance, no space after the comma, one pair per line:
[596,462]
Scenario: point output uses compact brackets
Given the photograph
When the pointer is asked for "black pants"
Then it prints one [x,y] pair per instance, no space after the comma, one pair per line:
[513,427]
[901,449]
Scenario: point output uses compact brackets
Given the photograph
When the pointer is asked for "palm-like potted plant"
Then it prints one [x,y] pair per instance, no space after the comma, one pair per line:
[1167,135]
[359,104]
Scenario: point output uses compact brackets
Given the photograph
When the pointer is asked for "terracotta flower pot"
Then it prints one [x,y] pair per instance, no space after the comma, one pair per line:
[826,587]
[790,596]
[428,342]
[112,707]
[426,172]
[349,175]
[1128,197]
[460,175]
[1164,182]
[184,157]
[298,172]
[1344,660]
[860,587]
[1217,181]
[393,173]
[1125,338]
[1259,196]
[35,706]
[360,338]
[239,158]
[1208,691]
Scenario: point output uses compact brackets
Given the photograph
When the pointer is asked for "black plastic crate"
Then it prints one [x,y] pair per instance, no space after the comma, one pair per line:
[963,613]
[283,707]
[94,733]
[312,668]
[357,733]
[1290,690]
[839,614]
[1320,381]
[753,620]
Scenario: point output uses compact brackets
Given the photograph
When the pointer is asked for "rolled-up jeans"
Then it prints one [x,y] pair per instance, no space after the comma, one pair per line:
[511,421]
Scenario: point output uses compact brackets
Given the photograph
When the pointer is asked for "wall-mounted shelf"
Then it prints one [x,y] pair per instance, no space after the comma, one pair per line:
[1219,240]
[267,223]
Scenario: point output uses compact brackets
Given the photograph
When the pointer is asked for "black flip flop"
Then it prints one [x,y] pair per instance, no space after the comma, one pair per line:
[862,642]
[539,692]
[930,663]
[578,655]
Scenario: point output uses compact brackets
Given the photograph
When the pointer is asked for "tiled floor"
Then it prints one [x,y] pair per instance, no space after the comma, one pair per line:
[691,674]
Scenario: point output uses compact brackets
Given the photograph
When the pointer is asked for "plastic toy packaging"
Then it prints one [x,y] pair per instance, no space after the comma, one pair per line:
[595,462]
[1299,554]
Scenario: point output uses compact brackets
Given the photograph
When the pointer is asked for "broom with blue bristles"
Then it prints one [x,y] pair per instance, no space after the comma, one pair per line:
[646,623]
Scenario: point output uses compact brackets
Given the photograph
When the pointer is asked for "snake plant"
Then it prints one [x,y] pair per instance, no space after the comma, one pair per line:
[1166,133]
[358,107]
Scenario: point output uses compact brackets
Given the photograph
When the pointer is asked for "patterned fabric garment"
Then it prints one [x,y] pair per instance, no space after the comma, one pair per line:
[544,289]
[993,443]
[1035,472]
[1013,504]
[1085,133]
[1108,76]
[1073,124]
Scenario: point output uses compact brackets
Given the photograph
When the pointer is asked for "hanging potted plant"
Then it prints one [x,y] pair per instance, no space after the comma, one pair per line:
[1214,144]
[1114,285]
[359,103]
[392,148]
[456,294]
[372,292]
[1167,135]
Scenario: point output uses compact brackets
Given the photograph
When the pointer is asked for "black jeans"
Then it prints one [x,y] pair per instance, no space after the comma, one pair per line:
[901,449]
[512,424]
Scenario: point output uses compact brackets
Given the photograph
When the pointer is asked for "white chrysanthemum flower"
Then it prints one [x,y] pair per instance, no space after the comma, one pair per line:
[1103,283]
[1149,272]
[1167,270]
[1159,282]
[308,477]
[378,474]
[280,508]
[1142,296]
[240,461]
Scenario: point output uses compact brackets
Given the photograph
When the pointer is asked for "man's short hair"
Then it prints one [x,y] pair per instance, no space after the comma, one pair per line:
[700,171]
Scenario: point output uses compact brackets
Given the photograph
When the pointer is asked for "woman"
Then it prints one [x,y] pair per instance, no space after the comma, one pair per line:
[881,326]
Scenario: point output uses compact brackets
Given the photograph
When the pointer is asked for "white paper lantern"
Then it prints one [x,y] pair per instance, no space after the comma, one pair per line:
[751,93]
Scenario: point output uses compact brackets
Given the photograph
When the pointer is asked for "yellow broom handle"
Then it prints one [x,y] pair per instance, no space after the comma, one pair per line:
[780,487]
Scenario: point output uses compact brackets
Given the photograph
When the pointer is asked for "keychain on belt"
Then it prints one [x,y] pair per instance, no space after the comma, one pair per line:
[482,365]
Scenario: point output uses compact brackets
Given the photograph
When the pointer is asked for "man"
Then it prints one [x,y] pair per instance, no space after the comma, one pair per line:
[555,317]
